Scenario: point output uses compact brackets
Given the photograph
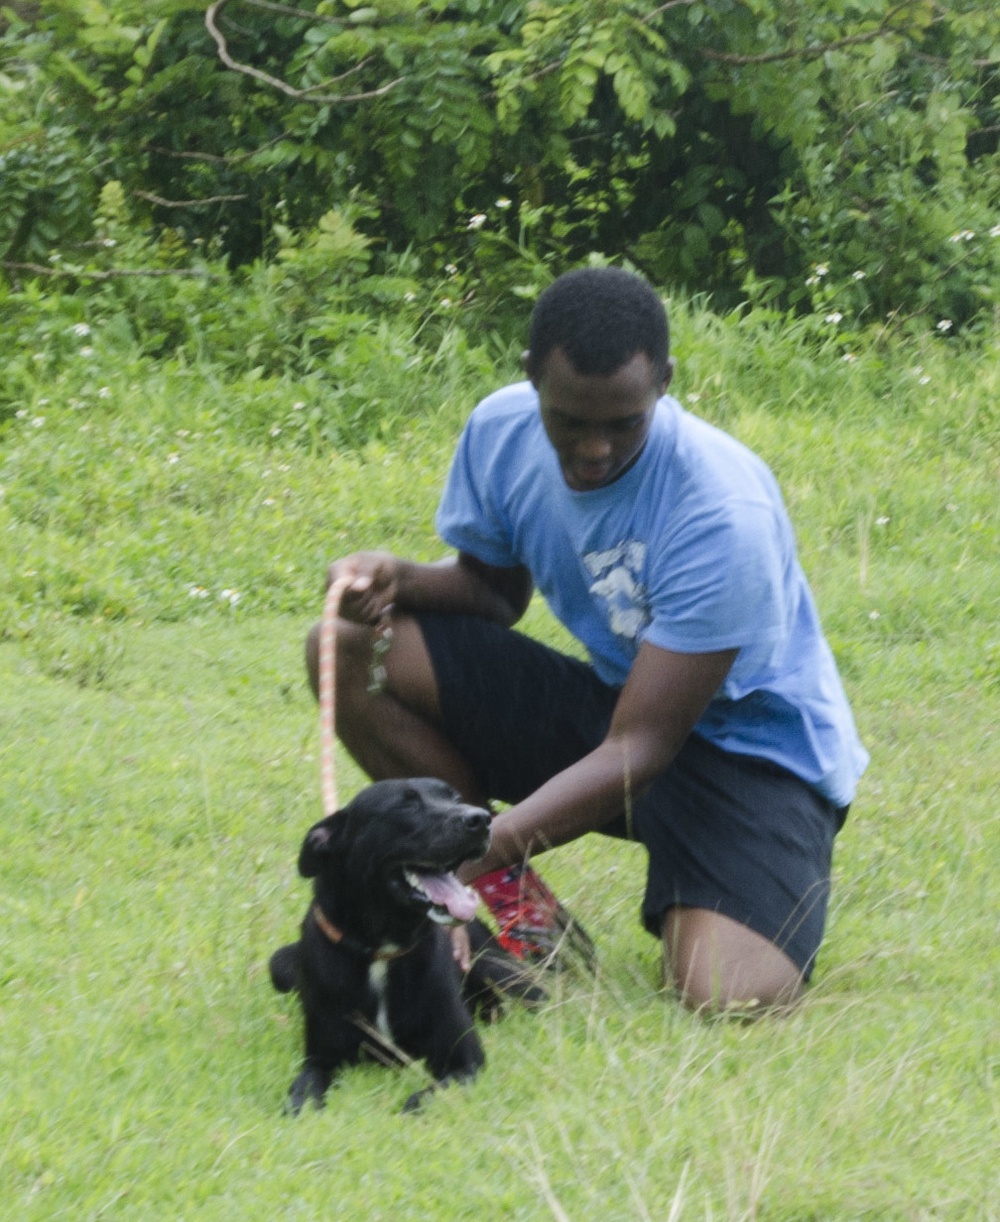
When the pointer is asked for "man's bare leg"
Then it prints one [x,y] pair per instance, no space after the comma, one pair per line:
[718,965]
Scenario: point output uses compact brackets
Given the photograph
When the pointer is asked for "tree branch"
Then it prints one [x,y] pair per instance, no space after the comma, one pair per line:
[187,203]
[309,94]
[774,57]
[39,269]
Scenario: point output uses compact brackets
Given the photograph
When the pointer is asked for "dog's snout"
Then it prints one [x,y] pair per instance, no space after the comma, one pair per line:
[476,820]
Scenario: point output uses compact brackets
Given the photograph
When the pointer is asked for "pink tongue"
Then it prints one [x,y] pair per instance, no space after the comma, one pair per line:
[447,892]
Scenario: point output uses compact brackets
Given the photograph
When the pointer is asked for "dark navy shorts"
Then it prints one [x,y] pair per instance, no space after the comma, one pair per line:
[730,833]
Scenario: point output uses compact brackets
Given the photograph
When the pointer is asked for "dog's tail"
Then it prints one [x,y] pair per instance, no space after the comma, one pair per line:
[284,967]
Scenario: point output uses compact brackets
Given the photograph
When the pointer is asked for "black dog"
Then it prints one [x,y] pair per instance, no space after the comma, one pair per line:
[374,967]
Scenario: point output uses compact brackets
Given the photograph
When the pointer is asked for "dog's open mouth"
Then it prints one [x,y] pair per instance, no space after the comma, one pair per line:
[448,901]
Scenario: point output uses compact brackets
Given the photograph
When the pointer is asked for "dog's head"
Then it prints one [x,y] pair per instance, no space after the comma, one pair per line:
[385,862]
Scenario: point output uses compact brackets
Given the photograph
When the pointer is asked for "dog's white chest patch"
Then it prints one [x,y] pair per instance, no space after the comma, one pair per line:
[378,979]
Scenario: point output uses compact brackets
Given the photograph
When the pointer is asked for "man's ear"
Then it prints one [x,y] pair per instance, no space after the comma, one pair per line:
[668,375]
[529,367]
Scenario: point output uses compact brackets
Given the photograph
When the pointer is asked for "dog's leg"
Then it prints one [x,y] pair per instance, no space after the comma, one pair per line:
[310,1086]
[419,1097]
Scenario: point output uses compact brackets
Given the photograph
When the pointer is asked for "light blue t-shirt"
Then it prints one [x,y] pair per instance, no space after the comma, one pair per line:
[691,549]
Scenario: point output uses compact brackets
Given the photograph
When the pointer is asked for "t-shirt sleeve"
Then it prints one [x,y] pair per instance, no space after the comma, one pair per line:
[469,517]
[720,582]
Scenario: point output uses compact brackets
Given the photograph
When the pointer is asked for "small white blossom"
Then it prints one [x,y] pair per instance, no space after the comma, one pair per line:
[963,235]
[502,203]
[39,356]
[995,231]
[834,317]
[874,615]
[37,422]
[409,297]
[298,407]
[88,351]
[812,281]
[882,521]
[446,303]
[821,269]
[477,221]
[80,330]
[20,413]
[923,381]
[109,242]
[197,592]
[268,500]
[858,275]
[172,458]
[230,596]
[451,269]
[944,325]
[850,357]
[275,430]
[104,392]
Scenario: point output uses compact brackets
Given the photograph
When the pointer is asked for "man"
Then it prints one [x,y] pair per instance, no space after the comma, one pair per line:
[710,723]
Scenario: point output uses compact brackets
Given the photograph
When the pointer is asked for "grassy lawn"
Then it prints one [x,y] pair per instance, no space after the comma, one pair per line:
[158,768]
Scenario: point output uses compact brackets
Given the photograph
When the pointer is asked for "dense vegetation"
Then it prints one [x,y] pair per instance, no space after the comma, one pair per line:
[837,154]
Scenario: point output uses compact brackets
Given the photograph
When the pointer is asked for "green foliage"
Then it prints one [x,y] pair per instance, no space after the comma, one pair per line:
[718,147]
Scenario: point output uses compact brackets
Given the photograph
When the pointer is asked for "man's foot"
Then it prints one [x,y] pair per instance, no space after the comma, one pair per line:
[532,924]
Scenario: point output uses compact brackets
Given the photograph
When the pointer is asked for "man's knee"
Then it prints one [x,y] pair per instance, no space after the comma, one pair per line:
[719,966]
[352,644]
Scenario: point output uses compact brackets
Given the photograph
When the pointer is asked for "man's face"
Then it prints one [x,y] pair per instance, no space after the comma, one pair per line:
[597,424]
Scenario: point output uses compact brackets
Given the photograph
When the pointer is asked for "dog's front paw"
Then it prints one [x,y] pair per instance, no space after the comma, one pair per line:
[309,1087]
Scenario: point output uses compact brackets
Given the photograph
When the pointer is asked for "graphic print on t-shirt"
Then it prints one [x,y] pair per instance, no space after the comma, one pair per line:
[616,574]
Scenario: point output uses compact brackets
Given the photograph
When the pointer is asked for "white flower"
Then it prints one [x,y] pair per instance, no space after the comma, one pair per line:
[298,407]
[409,297]
[923,381]
[172,458]
[995,231]
[104,392]
[20,413]
[834,317]
[858,275]
[451,269]
[821,269]
[477,221]
[963,235]
[503,202]
[230,596]
[197,592]
[882,521]
[849,357]
[812,281]
[446,303]
[109,242]
[268,500]
[88,351]
[39,356]
[275,430]
[37,422]
[80,330]
[874,615]
[944,325]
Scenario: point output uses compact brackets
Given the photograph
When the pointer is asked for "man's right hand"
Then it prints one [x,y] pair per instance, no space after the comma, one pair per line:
[372,585]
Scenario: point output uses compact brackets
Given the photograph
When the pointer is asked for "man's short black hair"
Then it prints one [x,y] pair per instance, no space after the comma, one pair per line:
[600,317]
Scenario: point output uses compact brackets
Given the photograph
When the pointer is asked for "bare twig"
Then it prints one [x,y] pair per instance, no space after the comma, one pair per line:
[310,94]
[814,52]
[39,269]
[187,203]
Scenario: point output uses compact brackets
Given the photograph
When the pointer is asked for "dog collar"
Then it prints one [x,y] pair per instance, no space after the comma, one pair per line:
[337,936]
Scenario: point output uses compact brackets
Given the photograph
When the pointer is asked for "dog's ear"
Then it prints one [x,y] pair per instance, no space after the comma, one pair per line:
[317,846]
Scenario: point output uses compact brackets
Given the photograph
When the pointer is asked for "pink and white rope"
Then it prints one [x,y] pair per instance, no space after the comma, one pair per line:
[327,710]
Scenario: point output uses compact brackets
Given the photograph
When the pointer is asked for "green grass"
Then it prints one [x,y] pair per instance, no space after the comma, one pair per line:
[158,768]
